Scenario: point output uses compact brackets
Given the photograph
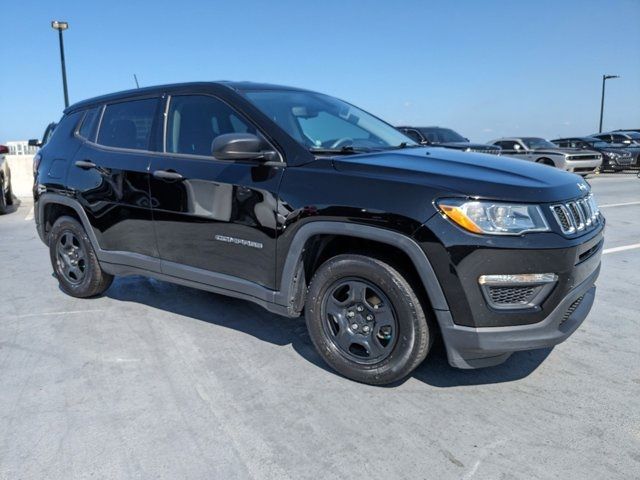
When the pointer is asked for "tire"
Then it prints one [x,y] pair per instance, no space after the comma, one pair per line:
[9,197]
[398,337]
[3,198]
[546,161]
[74,260]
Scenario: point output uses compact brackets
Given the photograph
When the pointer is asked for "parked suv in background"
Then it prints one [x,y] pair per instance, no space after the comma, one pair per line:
[539,150]
[6,192]
[614,157]
[300,202]
[447,138]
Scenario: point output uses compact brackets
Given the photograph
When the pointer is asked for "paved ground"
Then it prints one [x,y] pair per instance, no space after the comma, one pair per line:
[159,381]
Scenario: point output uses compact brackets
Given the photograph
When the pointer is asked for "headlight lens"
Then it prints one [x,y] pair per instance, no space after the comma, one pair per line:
[494,218]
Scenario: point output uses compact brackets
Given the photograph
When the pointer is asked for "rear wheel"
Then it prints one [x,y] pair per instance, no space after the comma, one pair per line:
[3,197]
[365,320]
[74,261]
[9,196]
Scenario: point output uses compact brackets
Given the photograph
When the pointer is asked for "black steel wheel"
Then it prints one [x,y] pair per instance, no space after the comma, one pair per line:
[366,320]
[360,320]
[75,263]
[71,257]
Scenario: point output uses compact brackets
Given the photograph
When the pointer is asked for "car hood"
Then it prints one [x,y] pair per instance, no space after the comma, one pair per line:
[468,174]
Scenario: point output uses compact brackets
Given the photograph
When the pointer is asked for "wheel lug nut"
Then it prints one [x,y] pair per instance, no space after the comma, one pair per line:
[366,329]
[369,317]
[354,326]
[360,308]
[350,314]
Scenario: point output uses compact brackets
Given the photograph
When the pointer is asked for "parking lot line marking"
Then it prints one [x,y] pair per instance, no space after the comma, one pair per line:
[29,215]
[621,249]
[71,312]
[619,204]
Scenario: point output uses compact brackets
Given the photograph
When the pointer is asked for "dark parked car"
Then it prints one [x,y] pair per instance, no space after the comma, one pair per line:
[628,138]
[300,202]
[48,132]
[6,192]
[614,156]
[447,138]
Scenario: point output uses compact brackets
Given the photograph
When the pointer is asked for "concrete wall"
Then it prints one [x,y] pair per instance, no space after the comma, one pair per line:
[21,174]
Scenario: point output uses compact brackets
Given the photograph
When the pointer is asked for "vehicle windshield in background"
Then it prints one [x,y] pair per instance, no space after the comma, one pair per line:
[320,122]
[534,143]
[634,135]
[442,135]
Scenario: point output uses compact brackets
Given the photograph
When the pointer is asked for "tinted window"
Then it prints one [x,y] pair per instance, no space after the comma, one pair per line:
[506,144]
[89,124]
[128,124]
[195,120]
[442,135]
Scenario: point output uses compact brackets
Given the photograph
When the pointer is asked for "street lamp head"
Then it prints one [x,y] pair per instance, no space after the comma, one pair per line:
[56,25]
[607,77]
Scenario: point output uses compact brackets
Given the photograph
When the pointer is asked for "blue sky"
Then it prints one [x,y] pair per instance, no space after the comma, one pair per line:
[484,68]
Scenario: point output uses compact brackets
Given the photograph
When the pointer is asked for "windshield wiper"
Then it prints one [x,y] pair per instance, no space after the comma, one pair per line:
[346,150]
[405,145]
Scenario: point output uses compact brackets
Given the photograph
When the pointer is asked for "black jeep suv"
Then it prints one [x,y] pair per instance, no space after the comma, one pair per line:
[300,202]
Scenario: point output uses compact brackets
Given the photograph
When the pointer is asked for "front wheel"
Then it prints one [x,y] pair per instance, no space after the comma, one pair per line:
[74,260]
[365,320]
[3,197]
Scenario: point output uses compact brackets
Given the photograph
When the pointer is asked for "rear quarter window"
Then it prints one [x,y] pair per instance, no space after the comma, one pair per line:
[89,124]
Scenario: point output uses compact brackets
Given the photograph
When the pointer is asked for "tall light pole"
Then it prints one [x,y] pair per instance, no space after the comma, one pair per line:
[604,79]
[60,26]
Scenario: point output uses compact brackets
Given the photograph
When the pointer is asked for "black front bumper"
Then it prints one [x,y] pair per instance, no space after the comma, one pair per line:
[477,335]
[469,347]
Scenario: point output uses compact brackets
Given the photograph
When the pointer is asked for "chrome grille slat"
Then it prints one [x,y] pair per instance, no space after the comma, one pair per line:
[576,215]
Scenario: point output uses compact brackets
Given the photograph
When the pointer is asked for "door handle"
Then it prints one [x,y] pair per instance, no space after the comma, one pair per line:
[167,175]
[86,164]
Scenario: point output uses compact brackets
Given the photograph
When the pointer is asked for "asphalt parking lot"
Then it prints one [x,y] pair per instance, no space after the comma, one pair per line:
[154,380]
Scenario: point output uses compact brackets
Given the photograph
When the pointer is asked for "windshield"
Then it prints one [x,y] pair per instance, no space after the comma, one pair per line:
[533,143]
[320,122]
[634,135]
[442,135]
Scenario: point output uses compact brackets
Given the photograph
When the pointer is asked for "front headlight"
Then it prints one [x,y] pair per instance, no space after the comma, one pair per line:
[493,218]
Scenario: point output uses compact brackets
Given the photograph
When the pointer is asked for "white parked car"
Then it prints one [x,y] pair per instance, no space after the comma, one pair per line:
[576,160]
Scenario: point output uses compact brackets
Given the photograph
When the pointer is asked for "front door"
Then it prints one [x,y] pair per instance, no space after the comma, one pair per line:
[212,215]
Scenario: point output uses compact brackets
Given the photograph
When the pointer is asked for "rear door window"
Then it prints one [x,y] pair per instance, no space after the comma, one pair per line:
[128,124]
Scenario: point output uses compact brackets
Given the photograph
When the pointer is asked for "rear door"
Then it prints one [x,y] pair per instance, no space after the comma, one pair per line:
[212,216]
[110,173]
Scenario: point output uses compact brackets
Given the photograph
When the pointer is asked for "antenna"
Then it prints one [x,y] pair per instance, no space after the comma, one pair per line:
[136,79]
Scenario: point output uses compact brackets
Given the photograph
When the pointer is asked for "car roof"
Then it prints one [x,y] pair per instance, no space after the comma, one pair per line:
[586,139]
[237,86]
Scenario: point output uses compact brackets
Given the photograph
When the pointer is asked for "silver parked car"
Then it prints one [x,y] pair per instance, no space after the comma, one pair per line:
[534,149]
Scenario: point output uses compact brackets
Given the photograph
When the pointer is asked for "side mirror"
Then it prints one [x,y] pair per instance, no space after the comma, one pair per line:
[34,142]
[4,149]
[466,139]
[516,146]
[241,146]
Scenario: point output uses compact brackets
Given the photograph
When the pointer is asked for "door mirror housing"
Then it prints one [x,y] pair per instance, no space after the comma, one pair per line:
[241,146]
[516,146]
[34,142]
